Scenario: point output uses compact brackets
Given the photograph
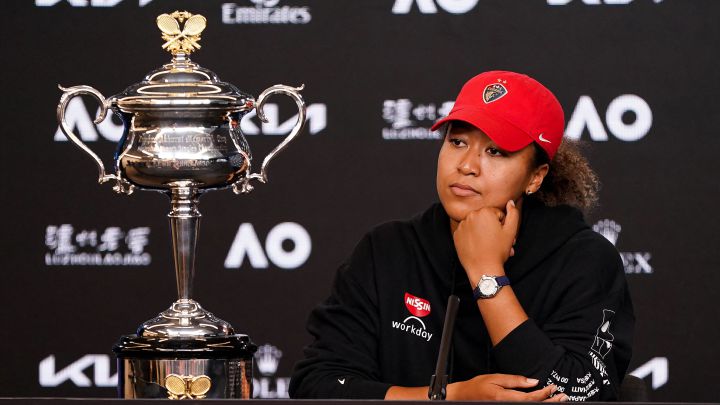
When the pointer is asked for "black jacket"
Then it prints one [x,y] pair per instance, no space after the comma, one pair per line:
[375,329]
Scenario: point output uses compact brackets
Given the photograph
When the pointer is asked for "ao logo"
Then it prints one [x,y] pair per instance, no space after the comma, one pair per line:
[428,6]
[657,369]
[80,120]
[86,3]
[586,115]
[593,2]
[49,376]
[246,243]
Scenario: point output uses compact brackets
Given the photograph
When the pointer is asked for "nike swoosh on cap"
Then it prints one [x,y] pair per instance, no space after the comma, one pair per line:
[543,139]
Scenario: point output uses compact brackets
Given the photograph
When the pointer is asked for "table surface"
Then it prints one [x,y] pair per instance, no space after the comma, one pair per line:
[100,401]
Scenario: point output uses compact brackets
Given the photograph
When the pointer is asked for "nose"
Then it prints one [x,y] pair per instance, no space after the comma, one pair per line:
[469,165]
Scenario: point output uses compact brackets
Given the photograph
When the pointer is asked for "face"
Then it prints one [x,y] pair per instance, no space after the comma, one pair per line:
[473,172]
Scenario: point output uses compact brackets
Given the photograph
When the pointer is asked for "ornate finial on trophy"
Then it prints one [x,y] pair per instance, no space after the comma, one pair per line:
[177,40]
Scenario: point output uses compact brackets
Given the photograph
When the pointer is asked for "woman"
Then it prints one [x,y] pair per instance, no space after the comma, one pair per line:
[545,310]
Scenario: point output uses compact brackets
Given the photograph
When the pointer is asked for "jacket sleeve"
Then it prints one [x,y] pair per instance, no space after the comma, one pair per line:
[342,360]
[584,346]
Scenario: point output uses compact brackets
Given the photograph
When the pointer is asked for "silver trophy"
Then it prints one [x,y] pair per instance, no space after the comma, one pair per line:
[182,137]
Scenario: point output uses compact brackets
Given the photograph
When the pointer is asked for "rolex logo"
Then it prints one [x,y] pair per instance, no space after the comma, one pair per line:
[267,358]
[609,229]
[634,262]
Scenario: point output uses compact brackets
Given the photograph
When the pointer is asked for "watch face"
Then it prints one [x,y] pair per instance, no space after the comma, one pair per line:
[488,286]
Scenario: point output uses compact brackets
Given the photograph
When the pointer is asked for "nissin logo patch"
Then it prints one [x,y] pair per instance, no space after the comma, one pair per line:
[417,306]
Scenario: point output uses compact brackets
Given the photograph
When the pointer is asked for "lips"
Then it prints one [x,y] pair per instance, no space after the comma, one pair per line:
[463,190]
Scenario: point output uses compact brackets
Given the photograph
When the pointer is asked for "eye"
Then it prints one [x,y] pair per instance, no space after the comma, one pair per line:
[495,152]
[457,142]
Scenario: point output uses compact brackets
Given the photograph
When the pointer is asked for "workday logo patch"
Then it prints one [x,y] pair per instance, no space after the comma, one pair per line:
[418,307]
[634,262]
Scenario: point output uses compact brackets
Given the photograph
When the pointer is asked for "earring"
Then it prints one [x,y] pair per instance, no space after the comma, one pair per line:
[528,192]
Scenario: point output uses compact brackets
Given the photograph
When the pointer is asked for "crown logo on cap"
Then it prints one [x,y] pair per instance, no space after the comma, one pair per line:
[494,92]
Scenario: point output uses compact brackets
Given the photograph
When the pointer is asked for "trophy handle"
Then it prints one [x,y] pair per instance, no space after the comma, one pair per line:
[243,185]
[122,185]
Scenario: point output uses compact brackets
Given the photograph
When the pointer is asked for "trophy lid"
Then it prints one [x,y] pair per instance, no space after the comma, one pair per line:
[182,84]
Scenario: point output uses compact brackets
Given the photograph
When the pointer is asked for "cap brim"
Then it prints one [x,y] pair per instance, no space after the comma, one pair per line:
[506,135]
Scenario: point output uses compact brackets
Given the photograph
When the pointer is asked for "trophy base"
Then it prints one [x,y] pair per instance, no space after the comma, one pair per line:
[185,319]
[185,368]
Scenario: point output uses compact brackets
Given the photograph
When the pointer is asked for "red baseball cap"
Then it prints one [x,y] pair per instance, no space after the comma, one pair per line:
[512,109]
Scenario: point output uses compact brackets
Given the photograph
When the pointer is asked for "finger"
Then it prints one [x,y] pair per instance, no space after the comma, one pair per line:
[498,213]
[512,381]
[512,395]
[557,398]
[512,218]
[519,396]
[541,394]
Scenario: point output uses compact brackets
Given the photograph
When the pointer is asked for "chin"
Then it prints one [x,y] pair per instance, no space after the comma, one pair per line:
[458,210]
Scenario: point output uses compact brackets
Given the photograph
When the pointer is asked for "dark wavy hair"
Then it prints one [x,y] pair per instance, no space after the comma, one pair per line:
[570,179]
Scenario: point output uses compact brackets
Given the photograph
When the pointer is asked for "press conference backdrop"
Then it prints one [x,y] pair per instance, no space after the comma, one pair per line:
[82,265]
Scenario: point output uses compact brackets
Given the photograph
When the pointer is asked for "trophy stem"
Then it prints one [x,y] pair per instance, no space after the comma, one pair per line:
[185,317]
[184,226]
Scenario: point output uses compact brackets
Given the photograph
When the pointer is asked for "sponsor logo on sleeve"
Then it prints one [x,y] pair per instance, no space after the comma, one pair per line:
[602,344]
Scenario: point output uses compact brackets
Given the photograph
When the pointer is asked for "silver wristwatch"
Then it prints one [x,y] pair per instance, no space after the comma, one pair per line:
[489,286]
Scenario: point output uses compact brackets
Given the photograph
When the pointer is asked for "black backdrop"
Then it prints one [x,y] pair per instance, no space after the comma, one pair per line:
[637,79]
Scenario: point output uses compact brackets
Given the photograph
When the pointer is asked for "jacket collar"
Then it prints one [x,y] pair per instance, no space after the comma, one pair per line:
[543,230]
